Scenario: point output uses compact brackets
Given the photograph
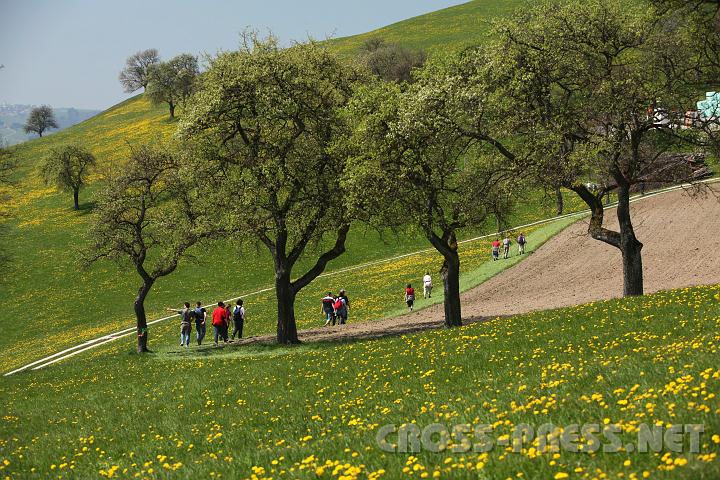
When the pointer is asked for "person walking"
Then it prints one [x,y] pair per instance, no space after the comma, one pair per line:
[427,285]
[186,318]
[328,308]
[200,318]
[219,321]
[521,243]
[340,308]
[506,247]
[238,316]
[343,295]
[410,296]
[496,249]
[226,328]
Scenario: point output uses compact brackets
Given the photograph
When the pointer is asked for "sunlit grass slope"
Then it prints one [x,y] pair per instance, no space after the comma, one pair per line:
[50,303]
[438,31]
[313,411]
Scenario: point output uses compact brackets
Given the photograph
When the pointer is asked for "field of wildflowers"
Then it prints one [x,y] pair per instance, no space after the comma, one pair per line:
[314,411]
[52,304]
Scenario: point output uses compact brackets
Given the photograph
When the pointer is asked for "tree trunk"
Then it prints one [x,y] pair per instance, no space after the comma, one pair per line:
[142,332]
[624,240]
[40,133]
[630,246]
[559,201]
[286,325]
[450,273]
[76,198]
[172,110]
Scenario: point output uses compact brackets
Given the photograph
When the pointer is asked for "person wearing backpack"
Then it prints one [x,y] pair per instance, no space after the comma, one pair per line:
[200,318]
[328,308]
[506,247]
[521,243]
[343,295]
[186,318]
[238,315]
[340,308]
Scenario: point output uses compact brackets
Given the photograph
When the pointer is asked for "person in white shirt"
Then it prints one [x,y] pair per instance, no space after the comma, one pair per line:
[506,247]
[427,285]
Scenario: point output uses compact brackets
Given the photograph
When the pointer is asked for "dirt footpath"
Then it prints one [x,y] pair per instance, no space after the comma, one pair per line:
[681,237]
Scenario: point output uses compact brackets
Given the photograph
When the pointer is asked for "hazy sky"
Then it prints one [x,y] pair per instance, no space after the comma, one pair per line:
[68,53]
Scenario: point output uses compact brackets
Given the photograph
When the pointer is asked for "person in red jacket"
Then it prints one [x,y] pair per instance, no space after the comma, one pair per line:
[496,249]
[220,322]
[410,296]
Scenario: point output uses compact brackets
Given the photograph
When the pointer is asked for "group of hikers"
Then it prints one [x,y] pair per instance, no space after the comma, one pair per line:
[335,308]
[410,291]
[506,242]
[220,318]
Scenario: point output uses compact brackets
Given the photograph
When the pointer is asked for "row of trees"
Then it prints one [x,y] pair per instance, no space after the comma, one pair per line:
[169,82]
[290,146]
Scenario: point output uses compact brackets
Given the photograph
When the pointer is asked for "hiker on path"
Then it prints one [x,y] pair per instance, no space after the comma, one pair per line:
[496,249]
[427,285]
[521,243]
[506,246]
[342,294]
[186,318]
[238,315]
[328,308]
[219,321]
[410,296]
[340,308]
[200,318]
[226,331]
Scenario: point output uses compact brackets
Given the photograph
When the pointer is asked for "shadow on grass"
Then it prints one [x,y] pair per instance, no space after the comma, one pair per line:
[87,207]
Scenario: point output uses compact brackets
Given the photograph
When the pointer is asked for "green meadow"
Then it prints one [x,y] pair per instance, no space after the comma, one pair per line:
[437,32]
[314,411]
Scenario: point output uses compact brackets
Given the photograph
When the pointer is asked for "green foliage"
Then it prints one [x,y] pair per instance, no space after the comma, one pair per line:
[67,167]
[150,212]
[570,73]
[391,62]
[172,82]
[40,119]
[267,117]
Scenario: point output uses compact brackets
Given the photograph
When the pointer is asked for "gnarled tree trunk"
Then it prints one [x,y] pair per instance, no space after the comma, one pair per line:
[630,246]
[142,331]
[286,324]
[450,273]
[624,240]
[76,198]
[559,202]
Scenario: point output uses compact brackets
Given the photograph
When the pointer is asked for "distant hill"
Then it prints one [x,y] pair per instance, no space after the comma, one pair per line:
[13,118]
[446,29]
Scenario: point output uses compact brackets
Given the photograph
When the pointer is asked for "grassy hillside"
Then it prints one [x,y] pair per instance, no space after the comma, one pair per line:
[314,411]
[51,304]
[445,29]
